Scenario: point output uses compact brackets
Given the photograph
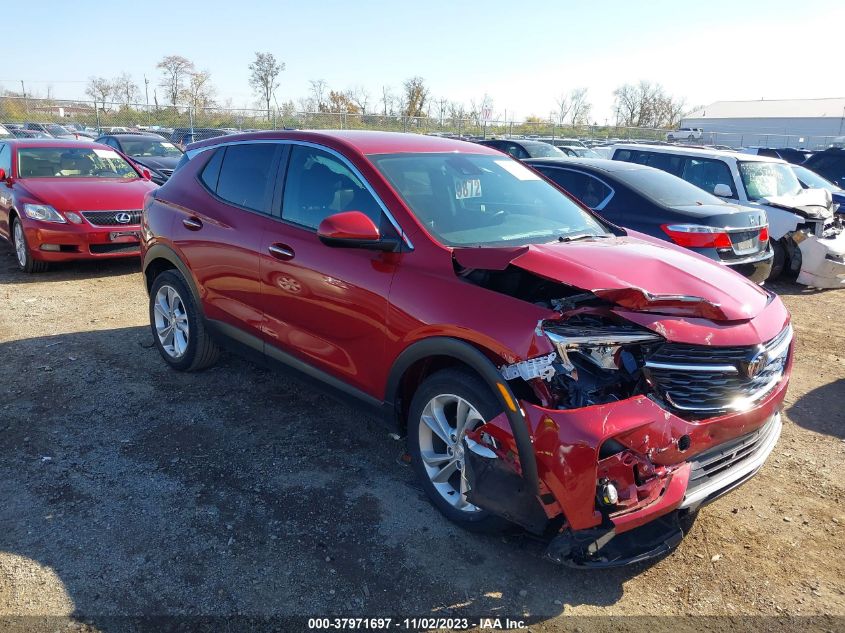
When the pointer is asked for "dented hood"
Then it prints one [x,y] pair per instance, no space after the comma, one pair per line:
[809,203]
[635,274]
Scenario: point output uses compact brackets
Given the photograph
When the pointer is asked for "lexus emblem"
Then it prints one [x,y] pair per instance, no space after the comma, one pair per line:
[123,217]
[755,364]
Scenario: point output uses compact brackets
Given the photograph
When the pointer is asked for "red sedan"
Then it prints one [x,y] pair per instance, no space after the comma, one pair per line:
[66,200]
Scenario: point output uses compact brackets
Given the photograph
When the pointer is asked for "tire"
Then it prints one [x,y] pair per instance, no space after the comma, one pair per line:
[178,327]
[779,259]
[444,390]
[691,137]
[23,254]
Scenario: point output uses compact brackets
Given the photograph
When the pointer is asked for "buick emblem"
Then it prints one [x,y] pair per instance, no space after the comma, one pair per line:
[755,364]
[123,217]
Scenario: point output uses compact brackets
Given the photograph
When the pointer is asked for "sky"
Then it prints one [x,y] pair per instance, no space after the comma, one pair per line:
[522,54]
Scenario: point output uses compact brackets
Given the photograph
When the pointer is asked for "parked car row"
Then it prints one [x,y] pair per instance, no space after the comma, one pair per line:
[591,383]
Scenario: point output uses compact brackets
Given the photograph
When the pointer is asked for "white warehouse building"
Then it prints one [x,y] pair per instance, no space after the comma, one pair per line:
[810,123]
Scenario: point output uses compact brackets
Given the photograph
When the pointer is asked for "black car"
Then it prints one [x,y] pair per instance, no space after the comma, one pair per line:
[152,151]
[830,163]
[522,149]
[789,154]
[659,204]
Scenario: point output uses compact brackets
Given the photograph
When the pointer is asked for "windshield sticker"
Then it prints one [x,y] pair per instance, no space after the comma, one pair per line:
[107,153]
[470,188]
[168,145]
[515,169]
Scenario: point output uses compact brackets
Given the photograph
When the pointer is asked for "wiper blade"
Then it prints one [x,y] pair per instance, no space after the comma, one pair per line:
[579,236]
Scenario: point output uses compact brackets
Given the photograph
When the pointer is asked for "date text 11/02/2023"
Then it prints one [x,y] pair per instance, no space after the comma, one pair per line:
[413,624]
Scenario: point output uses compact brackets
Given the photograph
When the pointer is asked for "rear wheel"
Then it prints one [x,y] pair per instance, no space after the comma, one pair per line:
[446,406]
[178,327]
[22,251]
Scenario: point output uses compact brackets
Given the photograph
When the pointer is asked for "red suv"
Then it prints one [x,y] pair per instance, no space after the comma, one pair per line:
[549,369]
[66,200]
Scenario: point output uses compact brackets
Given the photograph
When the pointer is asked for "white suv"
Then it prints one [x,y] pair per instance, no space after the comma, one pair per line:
[685,134]
[807,235]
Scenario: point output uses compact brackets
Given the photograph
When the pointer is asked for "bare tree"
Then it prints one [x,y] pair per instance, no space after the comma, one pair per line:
[264,77]
[200,91]
[387,100]
[646,105]
[415,97]
[319,87]
[579,110]
[99,89]
[564,106]
[125,90]
[360,97]
[479,108]
[175,71]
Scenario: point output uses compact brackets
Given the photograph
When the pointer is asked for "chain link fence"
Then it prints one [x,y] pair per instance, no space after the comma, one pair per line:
[98,117]
[104,116]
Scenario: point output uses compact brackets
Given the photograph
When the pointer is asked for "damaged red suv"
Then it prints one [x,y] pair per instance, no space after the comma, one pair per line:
[550,370]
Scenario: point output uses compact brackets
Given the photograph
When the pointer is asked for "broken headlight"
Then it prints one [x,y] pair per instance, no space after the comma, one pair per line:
[597,361]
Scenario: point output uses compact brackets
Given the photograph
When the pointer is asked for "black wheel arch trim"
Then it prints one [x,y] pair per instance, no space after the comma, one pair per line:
[475,359]
[162,251]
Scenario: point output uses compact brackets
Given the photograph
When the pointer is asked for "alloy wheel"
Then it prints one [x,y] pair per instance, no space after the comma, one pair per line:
[444,422]
[20,244]
[171,321]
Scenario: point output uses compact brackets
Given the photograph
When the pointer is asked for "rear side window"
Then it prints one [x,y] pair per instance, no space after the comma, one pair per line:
[706,174]
[211,171]
[245,175]
[589,190]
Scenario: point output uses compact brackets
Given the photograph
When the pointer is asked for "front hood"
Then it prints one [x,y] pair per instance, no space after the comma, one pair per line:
[89,194]
[810,203]
[639,274]
[157,162]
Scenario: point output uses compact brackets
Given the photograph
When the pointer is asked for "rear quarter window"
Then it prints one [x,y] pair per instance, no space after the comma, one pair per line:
[245,175]
[211,171]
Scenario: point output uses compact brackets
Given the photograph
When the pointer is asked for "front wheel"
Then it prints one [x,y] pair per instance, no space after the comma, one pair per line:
[24,256]
[178,327]
[779,259]
[446,406]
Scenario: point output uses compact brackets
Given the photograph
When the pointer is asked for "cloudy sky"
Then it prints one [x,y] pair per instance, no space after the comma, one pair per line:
[522,54]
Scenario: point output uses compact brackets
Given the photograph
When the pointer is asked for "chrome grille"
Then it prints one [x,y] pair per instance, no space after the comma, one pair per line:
[109,218]
[701,379]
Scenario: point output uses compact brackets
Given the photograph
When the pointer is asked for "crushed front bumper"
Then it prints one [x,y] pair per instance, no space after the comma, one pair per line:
[822,261]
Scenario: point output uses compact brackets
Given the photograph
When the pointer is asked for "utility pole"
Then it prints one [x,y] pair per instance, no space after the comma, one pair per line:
[147,90]
[25,102]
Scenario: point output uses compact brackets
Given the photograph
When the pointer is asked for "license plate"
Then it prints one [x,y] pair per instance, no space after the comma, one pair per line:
[744,246]
[125,236]
[470,188]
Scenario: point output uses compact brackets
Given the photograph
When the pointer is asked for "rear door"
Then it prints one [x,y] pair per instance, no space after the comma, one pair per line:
[325,306]
[219,229]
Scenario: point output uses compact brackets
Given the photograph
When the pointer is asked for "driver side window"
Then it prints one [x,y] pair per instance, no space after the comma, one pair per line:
[318,185]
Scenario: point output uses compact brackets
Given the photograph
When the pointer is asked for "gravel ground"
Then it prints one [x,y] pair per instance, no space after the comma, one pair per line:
[128,488]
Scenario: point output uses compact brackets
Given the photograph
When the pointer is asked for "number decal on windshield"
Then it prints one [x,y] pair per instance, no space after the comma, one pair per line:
[467,189]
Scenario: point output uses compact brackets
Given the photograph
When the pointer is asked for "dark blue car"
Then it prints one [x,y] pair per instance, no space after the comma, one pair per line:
[811,180]
[659,204]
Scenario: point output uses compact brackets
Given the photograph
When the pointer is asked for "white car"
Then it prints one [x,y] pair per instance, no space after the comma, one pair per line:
[807,235]
[685,134]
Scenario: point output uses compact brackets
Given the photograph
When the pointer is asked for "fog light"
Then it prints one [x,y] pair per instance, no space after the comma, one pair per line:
[608,494]
[50,247]
[73,217]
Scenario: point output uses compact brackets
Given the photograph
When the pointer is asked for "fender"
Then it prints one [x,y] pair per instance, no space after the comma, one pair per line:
[466,353]
[163,251]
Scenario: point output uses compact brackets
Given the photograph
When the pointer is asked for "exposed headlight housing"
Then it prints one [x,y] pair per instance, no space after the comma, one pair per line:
[600,345]
[43,212]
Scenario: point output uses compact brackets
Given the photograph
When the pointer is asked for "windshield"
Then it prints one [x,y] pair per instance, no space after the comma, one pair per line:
[478,200]
[72,162]
[583,152]
[812,179]
[765,180]
[542,150]
[149,147]
[665,188]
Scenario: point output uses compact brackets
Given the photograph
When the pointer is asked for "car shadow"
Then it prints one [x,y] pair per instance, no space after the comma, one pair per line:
[65,271]
[238,490]
[805,411]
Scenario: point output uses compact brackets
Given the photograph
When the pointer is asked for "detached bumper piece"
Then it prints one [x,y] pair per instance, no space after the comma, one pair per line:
[601,547]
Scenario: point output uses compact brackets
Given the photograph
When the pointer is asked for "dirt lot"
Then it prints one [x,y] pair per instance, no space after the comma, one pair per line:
[128,488]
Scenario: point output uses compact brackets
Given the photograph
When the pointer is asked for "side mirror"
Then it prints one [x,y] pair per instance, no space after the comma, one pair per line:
[145,174]
[723,191]
[2,175]
[353,229]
